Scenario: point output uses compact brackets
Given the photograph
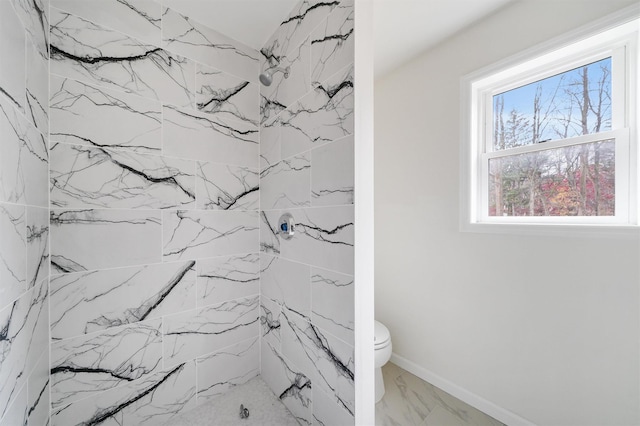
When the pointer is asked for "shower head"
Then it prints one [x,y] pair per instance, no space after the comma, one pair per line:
[266,78]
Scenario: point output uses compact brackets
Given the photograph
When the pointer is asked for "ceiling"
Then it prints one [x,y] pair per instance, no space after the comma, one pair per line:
[402,28]
[251,22]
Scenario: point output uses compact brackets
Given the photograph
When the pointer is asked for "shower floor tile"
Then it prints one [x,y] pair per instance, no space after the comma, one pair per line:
[410,401]
[265,409]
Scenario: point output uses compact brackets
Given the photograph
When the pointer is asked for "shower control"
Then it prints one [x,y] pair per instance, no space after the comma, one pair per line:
[244,412]
[286,226]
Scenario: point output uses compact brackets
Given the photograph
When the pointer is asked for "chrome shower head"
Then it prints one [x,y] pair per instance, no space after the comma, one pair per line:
[266,78]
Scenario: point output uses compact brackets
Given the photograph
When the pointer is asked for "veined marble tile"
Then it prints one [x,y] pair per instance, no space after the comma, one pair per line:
[287,382]
[17,414]
[232,366]
[39,311]
[440,416]
[286,90]
[138,18]
[286,283]
[192,334]
[38,407]
[328,361]
[286,184]
[201,234]
[269,240]
[196,41]
[305,16]
[12,45]
[270,322]
[227,278]
[321,116]
[37,234]
[87,115]
[203,137]
[85,51]
[34,15]
[269,109]
[224,187]
[83,240]
[37,90]
[226,96]
[150,401]
[87,302]
[24,161]
[333,302]
[269,143]
[394,403]
[332,173]
[24,325]
[13,237]
[83,366]
[329,411]
[86,176]
[323,237]
[332,43]
[405,401]
[413,398]
[384,419]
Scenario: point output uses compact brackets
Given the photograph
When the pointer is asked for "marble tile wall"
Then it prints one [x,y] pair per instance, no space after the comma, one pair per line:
[24,216]
[307,169]
[168,166]
[154,175]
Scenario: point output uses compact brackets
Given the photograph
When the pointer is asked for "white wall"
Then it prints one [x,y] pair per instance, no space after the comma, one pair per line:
[363,212]
[546,328]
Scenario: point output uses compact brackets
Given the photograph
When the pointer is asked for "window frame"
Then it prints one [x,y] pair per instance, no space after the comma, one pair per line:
[615,36]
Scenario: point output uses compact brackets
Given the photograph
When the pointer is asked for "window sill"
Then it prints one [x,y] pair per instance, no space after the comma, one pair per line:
[555,230]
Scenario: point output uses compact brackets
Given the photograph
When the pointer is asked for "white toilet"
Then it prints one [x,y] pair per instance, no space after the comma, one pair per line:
[382,339]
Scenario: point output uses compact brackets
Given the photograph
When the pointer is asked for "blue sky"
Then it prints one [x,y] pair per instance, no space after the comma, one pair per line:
[522,98]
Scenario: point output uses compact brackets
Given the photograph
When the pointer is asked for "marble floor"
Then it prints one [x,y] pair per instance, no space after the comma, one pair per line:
[410,401]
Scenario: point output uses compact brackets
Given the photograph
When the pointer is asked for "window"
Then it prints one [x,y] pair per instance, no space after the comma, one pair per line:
[551,138]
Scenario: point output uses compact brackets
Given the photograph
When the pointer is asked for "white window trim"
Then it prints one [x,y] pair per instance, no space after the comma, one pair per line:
[553,56]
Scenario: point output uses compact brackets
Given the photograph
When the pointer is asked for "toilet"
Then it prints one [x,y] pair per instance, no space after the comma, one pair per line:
[382,342]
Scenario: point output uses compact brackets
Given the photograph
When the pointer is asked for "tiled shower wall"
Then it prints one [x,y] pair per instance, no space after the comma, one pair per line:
[307,169]
[159,136]
[24,216]
[154,212]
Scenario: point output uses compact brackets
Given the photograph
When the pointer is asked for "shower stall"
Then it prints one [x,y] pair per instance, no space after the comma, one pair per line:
[144,168]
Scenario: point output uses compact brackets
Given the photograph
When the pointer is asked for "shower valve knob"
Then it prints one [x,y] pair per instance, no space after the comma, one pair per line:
[286,226]
[244,412]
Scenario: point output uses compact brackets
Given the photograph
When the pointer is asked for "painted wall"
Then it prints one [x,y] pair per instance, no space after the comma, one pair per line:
[306,168]
[546,328]
[24,216]
[154,212]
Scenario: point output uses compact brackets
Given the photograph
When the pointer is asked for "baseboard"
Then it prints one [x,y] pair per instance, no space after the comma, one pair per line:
[487,407]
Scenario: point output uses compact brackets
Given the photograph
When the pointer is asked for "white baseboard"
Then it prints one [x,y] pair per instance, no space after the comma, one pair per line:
[487,407]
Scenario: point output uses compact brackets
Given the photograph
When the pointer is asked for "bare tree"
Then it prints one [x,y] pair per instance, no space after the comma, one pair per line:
[566,181]
[602,103]
[499,141]
[596,107]
[543,111]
